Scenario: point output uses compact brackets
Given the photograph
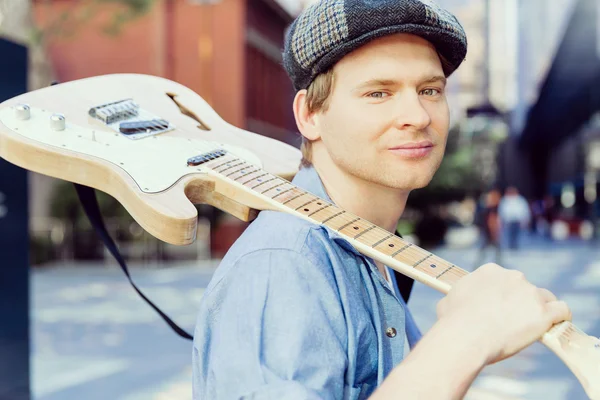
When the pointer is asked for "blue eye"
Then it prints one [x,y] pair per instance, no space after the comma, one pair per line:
[431,92]
[377,95]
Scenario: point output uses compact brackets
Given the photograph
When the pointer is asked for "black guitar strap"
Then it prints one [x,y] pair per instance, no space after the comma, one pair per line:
[88,199]
[404,283]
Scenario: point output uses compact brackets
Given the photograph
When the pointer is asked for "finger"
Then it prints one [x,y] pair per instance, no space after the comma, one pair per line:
[547,295]
[558,311]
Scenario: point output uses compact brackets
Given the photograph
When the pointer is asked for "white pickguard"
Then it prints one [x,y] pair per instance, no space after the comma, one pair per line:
[155,163]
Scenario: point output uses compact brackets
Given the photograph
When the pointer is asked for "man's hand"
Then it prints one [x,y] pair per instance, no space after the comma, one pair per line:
[500,311]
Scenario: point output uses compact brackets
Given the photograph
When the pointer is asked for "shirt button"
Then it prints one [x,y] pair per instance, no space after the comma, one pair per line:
[390,332]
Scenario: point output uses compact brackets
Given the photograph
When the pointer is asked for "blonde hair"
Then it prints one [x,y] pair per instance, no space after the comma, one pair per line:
[317,100]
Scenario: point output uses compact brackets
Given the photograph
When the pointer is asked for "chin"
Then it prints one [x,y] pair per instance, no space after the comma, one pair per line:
[408,178]
[406,183]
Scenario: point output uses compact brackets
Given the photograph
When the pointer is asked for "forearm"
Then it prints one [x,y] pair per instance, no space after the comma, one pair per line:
[442,366]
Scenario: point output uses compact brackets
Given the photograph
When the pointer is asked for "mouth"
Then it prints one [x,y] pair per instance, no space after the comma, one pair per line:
[413,150]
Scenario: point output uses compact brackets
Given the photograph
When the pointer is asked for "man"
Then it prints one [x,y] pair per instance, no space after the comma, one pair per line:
[514,214]
[489,226]
[293,311]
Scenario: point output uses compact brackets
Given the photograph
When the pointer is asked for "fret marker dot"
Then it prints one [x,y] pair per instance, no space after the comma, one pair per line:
[306,209]
[279,190]
[319,204]
[391,244]
[433,266]
[259,180]
[355,227]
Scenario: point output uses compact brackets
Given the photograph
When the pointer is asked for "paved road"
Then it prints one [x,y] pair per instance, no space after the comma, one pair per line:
[93,338]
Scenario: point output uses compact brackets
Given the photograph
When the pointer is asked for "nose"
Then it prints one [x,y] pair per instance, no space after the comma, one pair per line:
[411,113]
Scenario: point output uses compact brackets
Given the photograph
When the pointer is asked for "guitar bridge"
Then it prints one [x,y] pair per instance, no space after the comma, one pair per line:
[128,119]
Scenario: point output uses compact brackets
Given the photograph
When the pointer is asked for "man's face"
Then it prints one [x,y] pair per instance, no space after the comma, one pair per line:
[388,118]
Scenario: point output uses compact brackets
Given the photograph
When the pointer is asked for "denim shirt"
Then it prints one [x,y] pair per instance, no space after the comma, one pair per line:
[295,312]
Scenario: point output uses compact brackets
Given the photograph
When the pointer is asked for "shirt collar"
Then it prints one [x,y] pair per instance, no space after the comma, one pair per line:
[308,179]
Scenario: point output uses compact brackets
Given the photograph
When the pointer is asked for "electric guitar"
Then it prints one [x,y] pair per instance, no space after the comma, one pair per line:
[158,148]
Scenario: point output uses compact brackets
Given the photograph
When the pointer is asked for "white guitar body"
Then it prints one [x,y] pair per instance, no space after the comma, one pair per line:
[148,175]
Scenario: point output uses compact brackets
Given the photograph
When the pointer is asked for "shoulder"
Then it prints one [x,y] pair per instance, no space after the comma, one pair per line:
[282,247]
[284,234]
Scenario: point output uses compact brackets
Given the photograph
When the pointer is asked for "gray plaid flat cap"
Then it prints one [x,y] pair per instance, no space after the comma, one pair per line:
[329,29]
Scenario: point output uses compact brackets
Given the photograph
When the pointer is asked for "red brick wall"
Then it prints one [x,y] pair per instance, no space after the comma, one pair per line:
[139,48]
[199,46]
[270,93]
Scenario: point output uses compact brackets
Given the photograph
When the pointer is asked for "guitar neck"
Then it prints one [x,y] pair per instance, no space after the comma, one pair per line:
[371,240]
[264,191]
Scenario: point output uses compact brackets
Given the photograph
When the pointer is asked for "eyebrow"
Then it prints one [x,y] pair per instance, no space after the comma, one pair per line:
[437,78]
[393,82]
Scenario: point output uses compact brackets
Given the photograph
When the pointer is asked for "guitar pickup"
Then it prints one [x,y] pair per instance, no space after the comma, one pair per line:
[130,128]
[201,159]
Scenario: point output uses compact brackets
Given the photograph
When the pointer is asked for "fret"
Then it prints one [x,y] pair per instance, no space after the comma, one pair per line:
[295,197]
[348,224]
[305,204]
[231,166]
[413,256]
[275,185]
[228,165]
[219,162]
[372,234]
[312,210]
[377,243]
[444,271]
[298,199]
[454,276]
[249,177]
[274,192]
[333,216]
[281,193]
[394,254]
[264,182]
[235,171]
[319,210]
[288,195]
[258,178]
[365,231]
[244,173]
[425,258]
[428,270]
[355,228]
[434,266]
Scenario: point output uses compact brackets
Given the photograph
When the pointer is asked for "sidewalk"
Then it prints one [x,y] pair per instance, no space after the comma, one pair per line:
[569,269]
[94,338]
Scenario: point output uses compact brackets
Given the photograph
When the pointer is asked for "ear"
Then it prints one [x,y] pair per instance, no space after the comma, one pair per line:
[307,122]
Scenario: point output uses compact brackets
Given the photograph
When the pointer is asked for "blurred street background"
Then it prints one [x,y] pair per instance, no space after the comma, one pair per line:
[518,185]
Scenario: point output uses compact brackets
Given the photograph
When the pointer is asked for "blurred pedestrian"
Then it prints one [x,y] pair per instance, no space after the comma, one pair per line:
[514,214]
[489,226]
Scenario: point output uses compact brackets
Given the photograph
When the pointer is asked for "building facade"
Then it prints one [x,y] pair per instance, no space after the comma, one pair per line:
[227,51]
